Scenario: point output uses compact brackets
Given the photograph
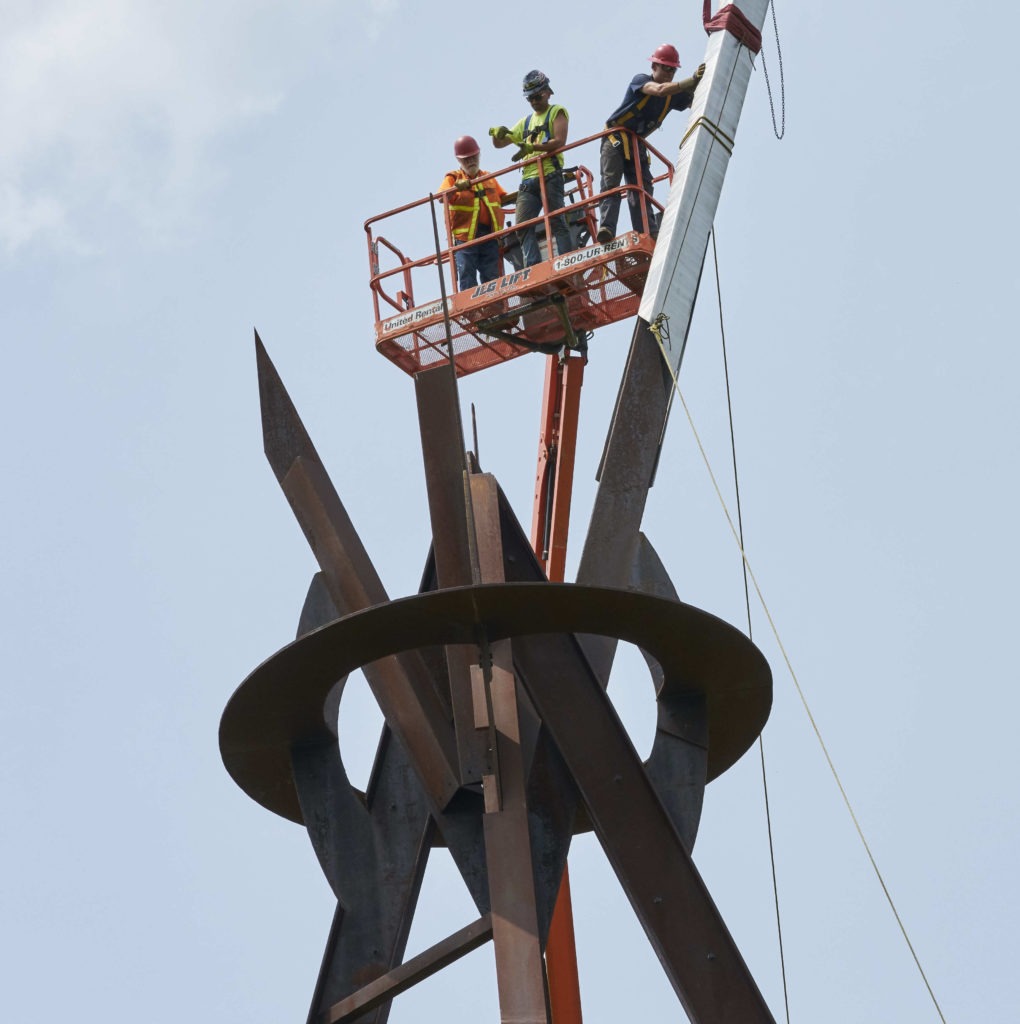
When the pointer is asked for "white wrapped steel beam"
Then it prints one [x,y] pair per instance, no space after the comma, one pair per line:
[676,265]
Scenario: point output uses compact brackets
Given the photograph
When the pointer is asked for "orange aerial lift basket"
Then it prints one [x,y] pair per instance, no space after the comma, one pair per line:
[554,304]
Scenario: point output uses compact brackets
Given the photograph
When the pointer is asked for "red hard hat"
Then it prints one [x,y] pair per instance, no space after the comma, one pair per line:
[666,54]
[464,147]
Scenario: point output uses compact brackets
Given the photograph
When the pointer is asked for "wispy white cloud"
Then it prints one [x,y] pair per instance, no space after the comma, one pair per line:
[117,108]
[23,218]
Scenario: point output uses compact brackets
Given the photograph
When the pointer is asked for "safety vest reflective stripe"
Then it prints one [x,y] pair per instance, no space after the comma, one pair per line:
[462,212]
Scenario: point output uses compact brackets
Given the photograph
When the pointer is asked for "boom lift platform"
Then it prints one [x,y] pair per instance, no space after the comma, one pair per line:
[554,305]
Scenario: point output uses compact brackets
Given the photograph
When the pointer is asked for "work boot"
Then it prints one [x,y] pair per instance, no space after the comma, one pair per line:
[605,235]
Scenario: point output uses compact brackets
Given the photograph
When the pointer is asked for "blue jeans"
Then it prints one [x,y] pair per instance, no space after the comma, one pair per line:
[529,204]
[478,263]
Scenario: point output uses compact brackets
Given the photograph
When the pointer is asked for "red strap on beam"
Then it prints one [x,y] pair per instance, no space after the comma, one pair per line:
[733,20]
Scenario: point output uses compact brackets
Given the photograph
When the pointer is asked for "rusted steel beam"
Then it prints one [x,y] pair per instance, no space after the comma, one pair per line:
[520,969]
[284,437]
[400,684]
[625,475]
[453,541]
[648,855]
[678,762]
[445,476]
[401,978]
[373,858]
[489,507]
[553,800]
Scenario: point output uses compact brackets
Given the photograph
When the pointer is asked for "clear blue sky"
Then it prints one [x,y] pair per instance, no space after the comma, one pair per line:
[173,176]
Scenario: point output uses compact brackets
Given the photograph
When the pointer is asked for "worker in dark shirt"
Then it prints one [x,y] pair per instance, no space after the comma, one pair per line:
[649,98]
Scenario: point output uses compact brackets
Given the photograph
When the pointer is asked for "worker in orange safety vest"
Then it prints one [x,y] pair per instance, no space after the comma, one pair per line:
[476,210]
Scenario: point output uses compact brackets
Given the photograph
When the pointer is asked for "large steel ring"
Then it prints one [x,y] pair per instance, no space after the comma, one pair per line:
[282,702]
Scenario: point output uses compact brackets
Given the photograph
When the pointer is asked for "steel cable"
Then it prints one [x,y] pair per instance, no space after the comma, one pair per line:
[660,330]
[750,634]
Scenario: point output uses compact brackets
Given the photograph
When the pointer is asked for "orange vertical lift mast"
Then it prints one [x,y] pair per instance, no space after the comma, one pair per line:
[554,480]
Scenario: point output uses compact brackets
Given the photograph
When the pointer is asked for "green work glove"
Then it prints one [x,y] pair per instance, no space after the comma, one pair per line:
[692,83]
[499,132]
[526,150]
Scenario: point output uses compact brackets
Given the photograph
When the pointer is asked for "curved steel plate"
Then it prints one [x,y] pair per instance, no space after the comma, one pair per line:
[281,703]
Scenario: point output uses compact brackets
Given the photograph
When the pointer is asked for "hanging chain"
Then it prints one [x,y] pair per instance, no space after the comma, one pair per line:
[779,131]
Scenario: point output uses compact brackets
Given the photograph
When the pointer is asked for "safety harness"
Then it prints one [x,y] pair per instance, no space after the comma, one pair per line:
[623,138]
[538,128]
[479,194]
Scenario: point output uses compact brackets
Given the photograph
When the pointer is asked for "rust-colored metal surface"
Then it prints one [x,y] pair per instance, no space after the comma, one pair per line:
[281,702]
[408,697]
[492,685]
[434,959]
[509,846]
[450,513]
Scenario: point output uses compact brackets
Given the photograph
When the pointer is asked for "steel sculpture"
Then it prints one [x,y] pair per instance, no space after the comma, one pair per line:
[500,741]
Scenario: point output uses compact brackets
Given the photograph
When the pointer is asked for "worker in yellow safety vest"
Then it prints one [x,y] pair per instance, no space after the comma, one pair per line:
[476,210]
[542,132]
